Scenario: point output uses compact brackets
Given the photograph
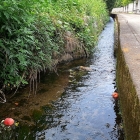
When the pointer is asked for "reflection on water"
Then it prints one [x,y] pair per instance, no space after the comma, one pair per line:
[86,110]
[79,103]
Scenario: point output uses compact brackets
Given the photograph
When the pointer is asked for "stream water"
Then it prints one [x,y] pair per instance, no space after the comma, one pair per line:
[77,104]
[86,110]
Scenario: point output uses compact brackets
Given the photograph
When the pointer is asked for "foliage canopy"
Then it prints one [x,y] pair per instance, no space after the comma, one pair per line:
[123,2]
[110,4]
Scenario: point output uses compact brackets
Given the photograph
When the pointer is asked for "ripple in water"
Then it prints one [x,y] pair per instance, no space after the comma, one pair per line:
[86,111]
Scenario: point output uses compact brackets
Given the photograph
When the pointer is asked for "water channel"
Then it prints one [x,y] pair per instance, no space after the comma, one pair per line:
[85,110]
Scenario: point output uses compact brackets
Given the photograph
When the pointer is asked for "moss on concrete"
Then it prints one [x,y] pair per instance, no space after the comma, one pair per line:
[129,101]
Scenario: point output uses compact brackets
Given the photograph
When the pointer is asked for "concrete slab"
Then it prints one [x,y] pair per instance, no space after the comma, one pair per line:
[128,73]
[130,44]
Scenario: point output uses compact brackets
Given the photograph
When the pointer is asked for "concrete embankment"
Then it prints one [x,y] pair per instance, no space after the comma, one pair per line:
[128,73]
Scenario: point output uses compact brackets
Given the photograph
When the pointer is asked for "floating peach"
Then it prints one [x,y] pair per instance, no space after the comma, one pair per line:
[115,95]
[8,121]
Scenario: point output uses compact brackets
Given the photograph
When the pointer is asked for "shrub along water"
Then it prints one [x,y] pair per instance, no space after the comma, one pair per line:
[31,31]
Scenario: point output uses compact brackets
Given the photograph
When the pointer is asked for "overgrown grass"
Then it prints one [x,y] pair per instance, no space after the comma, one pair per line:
[32,31]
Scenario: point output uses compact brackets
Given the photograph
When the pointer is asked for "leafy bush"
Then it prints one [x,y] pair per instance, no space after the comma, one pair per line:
[31,31]
[110,4]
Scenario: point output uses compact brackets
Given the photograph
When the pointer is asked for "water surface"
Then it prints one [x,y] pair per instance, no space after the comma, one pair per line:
[86,109]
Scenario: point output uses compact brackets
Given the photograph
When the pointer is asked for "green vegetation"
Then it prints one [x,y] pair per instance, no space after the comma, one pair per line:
[120,3]
[31,31]
[110,4]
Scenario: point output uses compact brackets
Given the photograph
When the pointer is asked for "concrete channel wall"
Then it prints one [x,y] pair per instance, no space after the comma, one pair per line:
[128,78]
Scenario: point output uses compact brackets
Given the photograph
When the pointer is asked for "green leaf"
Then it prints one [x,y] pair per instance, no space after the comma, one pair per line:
[6,15]
[24,81]
[31,37]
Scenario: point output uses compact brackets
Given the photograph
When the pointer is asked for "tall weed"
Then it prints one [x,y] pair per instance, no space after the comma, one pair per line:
[32,31]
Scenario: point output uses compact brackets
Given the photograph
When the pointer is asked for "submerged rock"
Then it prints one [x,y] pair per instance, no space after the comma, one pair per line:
[85,68]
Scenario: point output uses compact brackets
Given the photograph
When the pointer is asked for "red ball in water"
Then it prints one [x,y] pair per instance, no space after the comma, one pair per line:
[115,95]
[8,121]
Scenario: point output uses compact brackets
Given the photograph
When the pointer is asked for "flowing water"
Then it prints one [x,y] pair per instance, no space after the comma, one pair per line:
[86,110]
[76,105]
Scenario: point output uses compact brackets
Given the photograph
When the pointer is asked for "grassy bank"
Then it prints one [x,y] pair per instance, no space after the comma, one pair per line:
[33,33]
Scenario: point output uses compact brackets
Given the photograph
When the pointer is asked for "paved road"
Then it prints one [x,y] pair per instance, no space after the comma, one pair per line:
[133,21]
